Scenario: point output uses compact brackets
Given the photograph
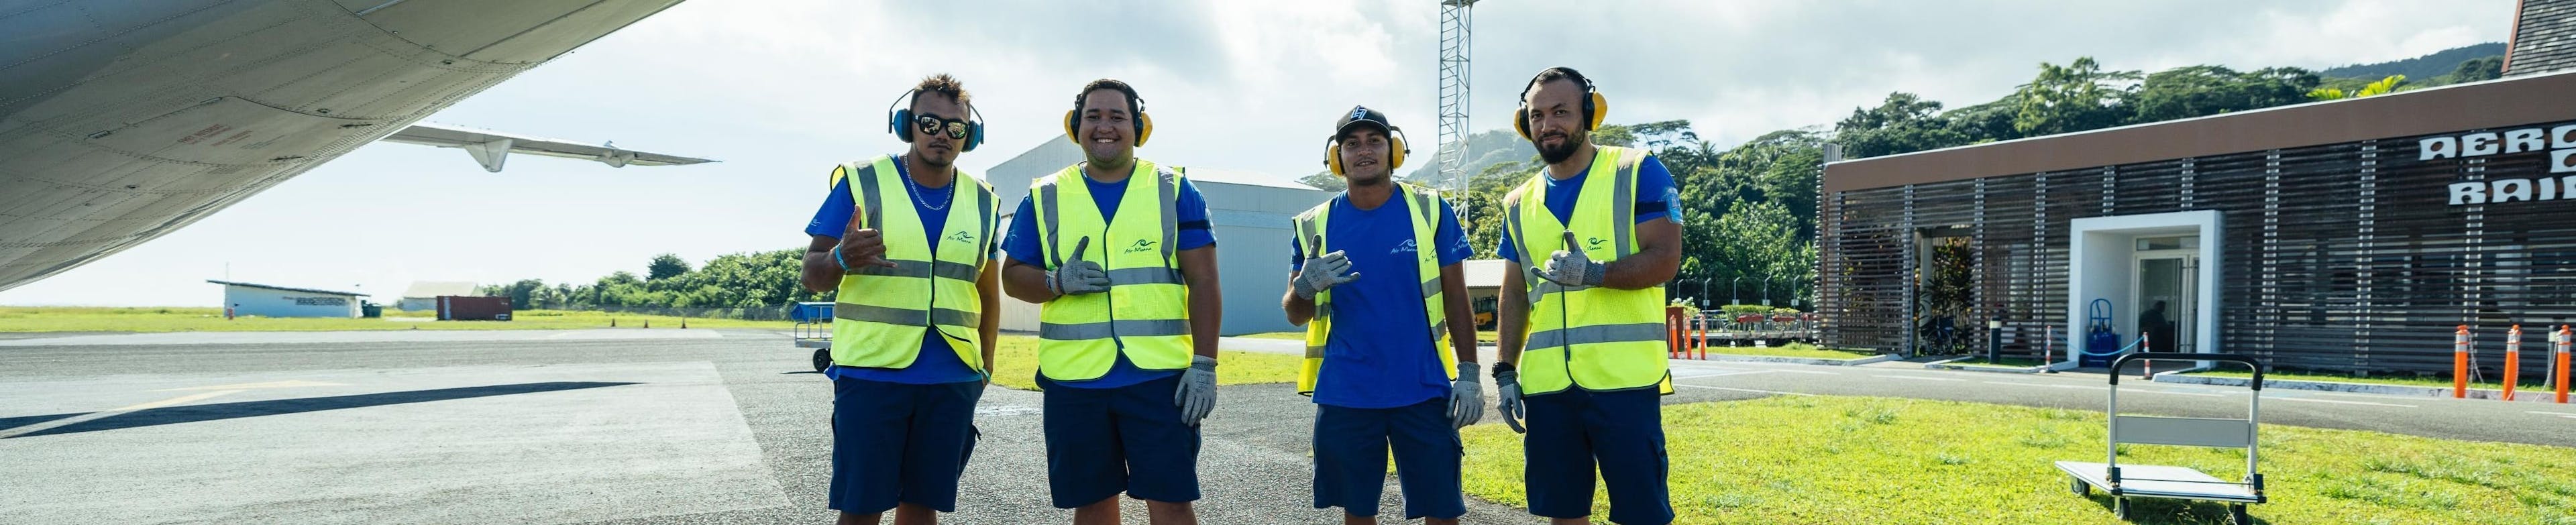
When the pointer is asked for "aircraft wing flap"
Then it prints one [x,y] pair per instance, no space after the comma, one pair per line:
[492,148]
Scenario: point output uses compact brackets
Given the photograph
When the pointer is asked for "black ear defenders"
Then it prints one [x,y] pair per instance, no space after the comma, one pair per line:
[899,115]
[1395,150]
[1594,107]
[1144,123]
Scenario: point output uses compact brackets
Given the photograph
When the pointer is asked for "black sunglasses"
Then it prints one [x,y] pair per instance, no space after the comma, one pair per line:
[930,125]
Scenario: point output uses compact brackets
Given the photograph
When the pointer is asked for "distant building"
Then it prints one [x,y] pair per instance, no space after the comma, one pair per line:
[1250,213]
[423,295]
[280,301]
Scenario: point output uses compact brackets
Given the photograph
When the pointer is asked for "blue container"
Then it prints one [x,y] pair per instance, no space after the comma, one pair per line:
[811,313]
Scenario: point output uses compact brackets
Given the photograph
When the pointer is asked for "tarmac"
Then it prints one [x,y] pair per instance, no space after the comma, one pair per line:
[717,426]
[731,426]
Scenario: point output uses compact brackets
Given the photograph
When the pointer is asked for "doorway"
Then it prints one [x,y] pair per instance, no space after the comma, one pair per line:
[2163,292]
[2130,263]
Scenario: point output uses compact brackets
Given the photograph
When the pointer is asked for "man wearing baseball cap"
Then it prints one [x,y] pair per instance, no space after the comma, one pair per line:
[1383,363]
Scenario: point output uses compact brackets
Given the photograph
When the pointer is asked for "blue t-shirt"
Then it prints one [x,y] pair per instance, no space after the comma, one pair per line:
[1657,198]
[937,364]
[1021,244]
[1368,363]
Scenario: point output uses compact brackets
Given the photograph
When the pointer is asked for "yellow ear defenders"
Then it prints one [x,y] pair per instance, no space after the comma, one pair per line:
[1136,105]
[1594,107]
[1395,150]
[897,120]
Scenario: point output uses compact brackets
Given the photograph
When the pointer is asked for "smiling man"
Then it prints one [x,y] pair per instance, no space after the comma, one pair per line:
[1591,314]
[906,240]
[1116,251]
[1386,366]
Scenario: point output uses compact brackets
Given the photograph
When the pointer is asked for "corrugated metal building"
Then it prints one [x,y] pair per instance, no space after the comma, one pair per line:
[281,301]
[2351,235]
[1250,213]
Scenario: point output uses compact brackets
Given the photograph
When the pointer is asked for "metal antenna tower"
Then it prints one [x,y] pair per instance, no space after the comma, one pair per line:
[1457,30]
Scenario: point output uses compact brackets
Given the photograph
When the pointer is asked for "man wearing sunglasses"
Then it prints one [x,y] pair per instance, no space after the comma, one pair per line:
[906,241]
[1117,253]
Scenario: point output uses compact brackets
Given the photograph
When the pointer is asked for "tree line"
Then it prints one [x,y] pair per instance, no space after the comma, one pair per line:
[1749,209]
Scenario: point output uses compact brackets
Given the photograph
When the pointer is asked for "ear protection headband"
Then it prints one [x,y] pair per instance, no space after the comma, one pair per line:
[1144,123]
[897,121]
[1594,107]
[1395,150]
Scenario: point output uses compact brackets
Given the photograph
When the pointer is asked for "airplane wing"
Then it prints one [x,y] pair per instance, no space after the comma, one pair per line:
[492,148]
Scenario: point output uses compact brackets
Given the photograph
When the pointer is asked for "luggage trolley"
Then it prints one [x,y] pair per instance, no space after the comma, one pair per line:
[814,330]
[2157,481]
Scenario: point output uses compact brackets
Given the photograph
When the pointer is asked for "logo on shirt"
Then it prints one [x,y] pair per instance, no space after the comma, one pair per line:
[1407,247]
[1673,204]
[1594,244]
[1141,245]
[963,237]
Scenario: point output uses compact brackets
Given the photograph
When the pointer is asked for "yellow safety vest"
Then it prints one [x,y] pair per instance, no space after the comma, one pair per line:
[1146,312]
[1594,338]
[882,313]
[1425,217]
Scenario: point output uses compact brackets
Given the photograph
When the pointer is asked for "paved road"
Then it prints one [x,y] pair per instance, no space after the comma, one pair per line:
[521,427]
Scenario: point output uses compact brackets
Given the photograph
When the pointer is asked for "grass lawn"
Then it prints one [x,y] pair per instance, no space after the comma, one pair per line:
[1015,365]
[85,319]
[1790,350]
[2528,385]
[1837,460]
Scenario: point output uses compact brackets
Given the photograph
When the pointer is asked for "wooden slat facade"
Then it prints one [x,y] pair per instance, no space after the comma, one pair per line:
[2341,257]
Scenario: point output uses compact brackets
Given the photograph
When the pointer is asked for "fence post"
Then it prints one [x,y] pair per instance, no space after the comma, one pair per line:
[2460,363]
[2512,360]
[2561,356]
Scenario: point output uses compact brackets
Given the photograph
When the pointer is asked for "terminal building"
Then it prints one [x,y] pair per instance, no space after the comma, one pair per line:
[2350,235]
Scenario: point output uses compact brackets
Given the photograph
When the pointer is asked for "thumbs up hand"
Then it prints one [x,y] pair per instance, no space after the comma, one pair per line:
[1569,266]
[1323,272]
[1077,276]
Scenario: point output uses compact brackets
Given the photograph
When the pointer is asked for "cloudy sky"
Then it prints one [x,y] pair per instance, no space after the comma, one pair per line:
[780,90]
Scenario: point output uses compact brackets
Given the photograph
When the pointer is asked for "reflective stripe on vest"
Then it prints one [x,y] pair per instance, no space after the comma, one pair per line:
[1589,337]
[882,313]
[1145,313]
[1310,227]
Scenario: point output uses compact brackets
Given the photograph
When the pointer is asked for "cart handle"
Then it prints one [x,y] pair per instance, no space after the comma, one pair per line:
[2248,361]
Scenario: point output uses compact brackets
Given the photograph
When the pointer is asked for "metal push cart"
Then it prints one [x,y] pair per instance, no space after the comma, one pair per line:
[814,330]
[2157,481]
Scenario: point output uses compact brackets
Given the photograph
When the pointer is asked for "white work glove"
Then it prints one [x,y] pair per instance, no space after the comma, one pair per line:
[1197,395]
[1466,397]
[1507,387]
[1323,272]
[1571,267]
[1077,276]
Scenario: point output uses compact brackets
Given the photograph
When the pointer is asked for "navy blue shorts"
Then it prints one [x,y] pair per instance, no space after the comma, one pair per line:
[1572,430]
[1350,459]
[1102,441]
[894,442]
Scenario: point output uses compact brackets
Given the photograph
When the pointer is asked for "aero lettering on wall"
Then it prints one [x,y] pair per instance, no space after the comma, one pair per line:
[2559,142]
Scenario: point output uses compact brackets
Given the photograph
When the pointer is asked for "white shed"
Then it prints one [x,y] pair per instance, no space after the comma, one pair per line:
[280,301]
[423,295]
[1249,212]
